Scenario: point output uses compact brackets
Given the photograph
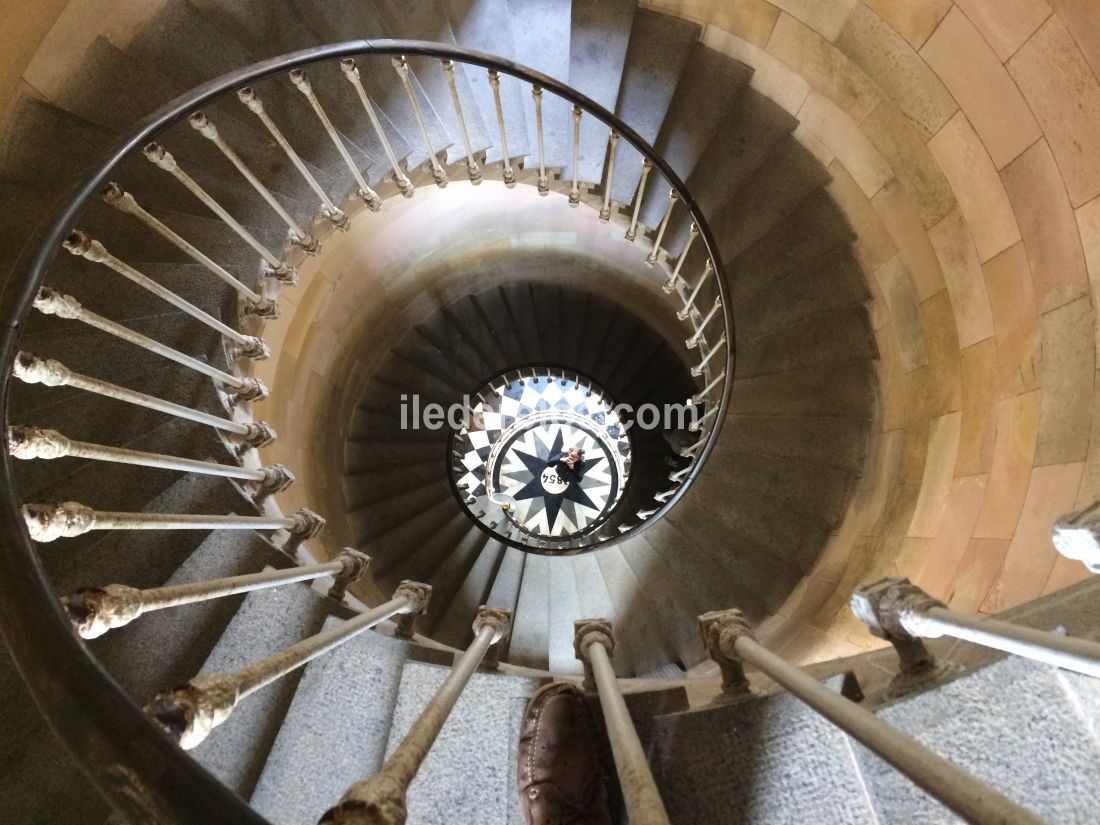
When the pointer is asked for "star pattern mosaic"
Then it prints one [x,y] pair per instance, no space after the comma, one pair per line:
[520,425]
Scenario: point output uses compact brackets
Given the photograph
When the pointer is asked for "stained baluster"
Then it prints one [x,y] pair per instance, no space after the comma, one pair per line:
[647,167]
[472,168]
[35,443]
[575,187]
[51,302]
[694,340]
[544,181]
[94,611]
[329,210]
[188,714]
[31,369]
[698,369]
[298,236]
[160,157]
[368,195]
[689,304]
[254,303]
[506,160]
[401,66]
[674,279]
[404,185]
[651,258]
[612,150]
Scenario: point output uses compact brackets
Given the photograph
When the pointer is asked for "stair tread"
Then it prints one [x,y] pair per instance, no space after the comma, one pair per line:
[364,673]
[760,770]
[268,621]
[469,776]
[542,44]
[708,87]
[135,655]
[654,61]
[485,25]
[597,54]
[1045,758]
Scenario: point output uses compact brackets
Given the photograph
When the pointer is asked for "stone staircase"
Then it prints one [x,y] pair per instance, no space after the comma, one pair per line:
[777,485]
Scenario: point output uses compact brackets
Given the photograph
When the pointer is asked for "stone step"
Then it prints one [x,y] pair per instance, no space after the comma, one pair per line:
[597,55]
[1020,726]
[809,440]
[344,705]
[485,25]
[427,20]
[531,631]
[449,577]
[775,190]
[542,43]
[469,776]
[655,58]
[708,88]
[839,337]
[774,760]
[267,622]
[752,129]
[168,647]
[453,626]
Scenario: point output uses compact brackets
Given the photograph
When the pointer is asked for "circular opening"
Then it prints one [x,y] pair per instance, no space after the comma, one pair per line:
[542,459]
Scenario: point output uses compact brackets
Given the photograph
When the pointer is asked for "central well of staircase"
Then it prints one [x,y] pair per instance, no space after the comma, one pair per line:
[542,455]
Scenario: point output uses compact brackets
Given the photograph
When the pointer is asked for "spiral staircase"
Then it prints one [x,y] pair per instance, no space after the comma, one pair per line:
[418,251]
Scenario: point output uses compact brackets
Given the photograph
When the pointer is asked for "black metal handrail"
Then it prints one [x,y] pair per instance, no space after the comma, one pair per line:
[121,751]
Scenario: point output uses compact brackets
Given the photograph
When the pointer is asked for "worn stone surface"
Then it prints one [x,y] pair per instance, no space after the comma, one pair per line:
[469,775]
[364,673]
[760,770]
[1045,759]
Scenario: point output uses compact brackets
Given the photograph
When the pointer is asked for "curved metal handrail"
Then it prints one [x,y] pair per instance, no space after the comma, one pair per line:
[120,750]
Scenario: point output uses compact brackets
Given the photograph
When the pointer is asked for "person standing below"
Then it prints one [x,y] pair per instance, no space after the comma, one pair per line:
[569,463]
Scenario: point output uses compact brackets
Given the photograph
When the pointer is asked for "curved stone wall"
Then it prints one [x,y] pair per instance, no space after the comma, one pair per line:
[964,145]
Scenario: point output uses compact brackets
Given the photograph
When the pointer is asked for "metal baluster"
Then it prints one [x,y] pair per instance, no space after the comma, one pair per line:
[729,640]
[188,714]
[254,303]
[32,442]
[506,161]
[697,426]
[471,164]
[900,612]
[593,642]
[689,304]
[31,369]
[368,195]
[401,66]
[49,521]
[674,279]
[51,302]
[95,610]
[651,258]
[575,188]
[383,794]
[693,341]
[697,370]
[298,236]
[1077,536]
[679,475]
[404,185]
[703,393]
[664,496]
[329,210]
[159,156]
[612,150]
[79,244]
[647,167]
[544,181]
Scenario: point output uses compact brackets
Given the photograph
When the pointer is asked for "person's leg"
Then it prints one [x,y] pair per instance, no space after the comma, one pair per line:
[561,781]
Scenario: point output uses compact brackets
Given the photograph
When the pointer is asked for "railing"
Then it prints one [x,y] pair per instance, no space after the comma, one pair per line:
[900,612]
[730,642]
[120,749]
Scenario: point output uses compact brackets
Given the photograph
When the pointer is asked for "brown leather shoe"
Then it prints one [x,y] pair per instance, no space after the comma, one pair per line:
[561,781]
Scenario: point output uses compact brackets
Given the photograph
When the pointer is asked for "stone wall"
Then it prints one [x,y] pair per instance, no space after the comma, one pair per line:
[964,144]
